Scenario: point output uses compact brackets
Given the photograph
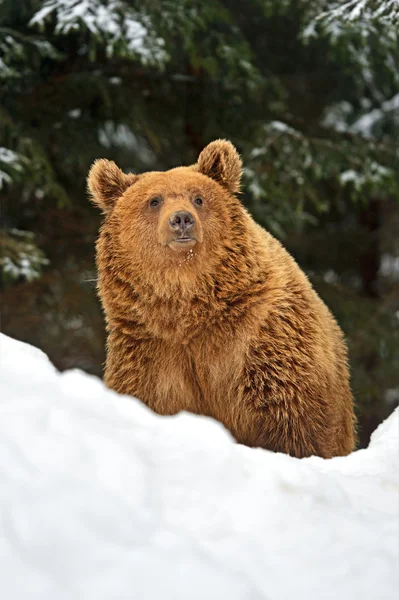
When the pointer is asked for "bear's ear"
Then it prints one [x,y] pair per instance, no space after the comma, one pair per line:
[220,161]
[106,183]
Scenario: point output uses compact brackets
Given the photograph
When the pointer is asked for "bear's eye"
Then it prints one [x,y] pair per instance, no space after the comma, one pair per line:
[155,202]
[198,201]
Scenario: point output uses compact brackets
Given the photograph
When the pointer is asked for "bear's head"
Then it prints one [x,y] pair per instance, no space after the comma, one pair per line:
[172,218]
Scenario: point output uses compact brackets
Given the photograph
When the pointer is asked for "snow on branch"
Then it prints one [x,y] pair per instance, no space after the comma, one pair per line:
[359,27]
[338,18]
[124,29]
[10,162]
[339,117]
[360,10]
[20,256]
[365,124]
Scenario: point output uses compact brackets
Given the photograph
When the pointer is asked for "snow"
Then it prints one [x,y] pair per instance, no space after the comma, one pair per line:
[75,113]
[349,11]
[100,498]
[339,115]
[113,20]
[278,126]
[21,259]
[372,172]
[12,160]
[23,267]
[8,156]
[364,125]
[336,116]
[389,266]
[117,134]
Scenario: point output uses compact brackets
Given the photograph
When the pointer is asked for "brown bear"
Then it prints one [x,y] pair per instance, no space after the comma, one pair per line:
[207,312]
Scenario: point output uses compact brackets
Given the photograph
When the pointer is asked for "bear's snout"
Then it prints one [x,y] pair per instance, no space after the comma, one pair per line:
[179,229]
[181,221]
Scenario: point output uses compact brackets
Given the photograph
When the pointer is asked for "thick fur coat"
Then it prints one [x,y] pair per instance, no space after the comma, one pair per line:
[207,312]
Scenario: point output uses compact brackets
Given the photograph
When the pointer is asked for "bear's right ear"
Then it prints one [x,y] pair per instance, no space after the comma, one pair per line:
[106,183]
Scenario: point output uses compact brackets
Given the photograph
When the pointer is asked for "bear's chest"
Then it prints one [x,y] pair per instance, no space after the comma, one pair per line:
[200,377]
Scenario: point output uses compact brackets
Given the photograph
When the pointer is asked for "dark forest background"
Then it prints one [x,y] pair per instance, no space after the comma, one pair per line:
[308,91]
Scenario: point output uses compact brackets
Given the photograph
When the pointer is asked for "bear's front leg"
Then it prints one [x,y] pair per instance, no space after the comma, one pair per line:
[128,364]
[286,407]
[153,370]
[284,425]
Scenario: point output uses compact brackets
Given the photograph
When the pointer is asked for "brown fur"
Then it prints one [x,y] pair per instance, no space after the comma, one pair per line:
[229,327]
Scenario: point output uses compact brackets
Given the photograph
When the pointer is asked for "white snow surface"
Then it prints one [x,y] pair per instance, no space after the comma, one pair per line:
[102,499]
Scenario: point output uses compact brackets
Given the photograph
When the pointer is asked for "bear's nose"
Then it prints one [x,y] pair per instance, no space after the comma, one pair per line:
[182,221]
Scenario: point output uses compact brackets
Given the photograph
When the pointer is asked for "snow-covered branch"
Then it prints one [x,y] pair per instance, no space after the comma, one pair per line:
[359,10]
[115,21]
[10,162]
[365,124]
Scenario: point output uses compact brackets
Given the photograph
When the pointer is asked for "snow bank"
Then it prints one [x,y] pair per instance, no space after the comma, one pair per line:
[102,499]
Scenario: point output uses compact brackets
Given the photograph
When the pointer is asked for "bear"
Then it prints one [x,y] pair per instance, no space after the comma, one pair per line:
[207,312]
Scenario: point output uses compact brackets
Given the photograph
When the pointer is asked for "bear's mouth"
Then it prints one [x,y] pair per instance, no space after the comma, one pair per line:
[182,242]
[184,239]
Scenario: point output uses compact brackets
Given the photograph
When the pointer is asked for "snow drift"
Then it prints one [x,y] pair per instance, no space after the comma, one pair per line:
[101,499]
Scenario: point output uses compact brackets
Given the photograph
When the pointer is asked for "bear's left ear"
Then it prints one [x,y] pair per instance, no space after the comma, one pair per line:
[106,183]
[220,161]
